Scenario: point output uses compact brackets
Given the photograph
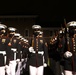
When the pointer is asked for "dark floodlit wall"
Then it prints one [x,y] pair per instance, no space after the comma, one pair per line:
[24,25]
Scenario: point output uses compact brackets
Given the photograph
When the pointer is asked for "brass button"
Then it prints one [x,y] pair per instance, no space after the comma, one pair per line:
[37,49]
[74,50]
[36,46]
[74,47]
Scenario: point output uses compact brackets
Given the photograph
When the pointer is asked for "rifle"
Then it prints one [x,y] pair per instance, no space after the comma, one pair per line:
[66,35]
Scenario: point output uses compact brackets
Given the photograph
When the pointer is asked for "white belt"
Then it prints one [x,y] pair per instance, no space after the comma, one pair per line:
[3,52]
[14,49]
[39,52]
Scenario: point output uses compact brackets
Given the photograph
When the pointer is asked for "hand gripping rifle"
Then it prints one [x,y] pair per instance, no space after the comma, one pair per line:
[68,46]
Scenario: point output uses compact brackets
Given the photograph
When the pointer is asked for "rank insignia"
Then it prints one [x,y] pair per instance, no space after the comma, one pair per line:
[14,41]
[3,40]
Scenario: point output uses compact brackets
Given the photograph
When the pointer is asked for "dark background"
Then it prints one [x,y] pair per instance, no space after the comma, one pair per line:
[49,12]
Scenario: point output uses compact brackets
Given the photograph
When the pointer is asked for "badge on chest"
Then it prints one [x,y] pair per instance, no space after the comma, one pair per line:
[3,40]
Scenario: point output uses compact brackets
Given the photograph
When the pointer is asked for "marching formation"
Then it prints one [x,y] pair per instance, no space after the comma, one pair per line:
[13,48]
[19,55]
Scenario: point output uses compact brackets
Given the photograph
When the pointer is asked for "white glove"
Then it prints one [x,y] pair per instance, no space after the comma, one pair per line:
[67,54]
[6,66]
[18,60]
[45,65]
[31,49]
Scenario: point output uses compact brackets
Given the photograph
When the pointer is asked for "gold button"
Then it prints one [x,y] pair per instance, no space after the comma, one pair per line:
[74,50]
[37,49]
[36,46]
[74,45]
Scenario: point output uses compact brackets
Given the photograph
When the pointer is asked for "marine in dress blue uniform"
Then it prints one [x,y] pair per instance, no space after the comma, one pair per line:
[12,49]
[70,50]
[3,48]
[38,53]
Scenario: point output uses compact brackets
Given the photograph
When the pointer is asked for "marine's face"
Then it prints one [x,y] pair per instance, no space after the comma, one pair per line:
[12,32]
[36,33]
[3,31]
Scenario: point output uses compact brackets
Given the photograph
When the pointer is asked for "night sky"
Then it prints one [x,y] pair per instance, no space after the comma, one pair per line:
[49,12]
